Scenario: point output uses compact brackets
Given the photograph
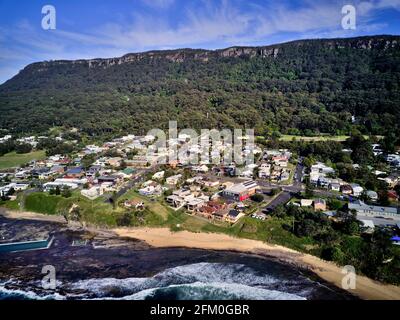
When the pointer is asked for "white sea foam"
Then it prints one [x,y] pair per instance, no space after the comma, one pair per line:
[205,279]
[214,291]
[29,295]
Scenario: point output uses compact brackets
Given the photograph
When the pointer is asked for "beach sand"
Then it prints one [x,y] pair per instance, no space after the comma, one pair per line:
[162,237]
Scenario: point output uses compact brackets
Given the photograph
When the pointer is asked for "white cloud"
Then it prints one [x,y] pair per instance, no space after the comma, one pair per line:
[214,24]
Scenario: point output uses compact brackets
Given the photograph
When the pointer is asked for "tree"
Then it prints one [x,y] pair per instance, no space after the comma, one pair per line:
[88,160]
[125,219]
[66,193]
[23,148]
[309,192]
[279,212]
[257,197]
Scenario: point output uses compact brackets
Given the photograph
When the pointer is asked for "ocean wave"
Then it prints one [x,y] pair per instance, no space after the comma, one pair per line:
[199,281]
[194,281]
[211,291]
[19,294]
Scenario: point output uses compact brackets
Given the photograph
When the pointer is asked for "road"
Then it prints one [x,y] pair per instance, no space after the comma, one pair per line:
[139,177]
[282,198]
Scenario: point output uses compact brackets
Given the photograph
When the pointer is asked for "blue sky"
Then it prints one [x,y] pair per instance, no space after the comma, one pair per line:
[104,28]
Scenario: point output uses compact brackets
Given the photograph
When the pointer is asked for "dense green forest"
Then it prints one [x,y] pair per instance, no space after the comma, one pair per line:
[302,87]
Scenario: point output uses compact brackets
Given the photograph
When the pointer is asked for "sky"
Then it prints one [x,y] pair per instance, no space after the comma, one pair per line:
[86,29]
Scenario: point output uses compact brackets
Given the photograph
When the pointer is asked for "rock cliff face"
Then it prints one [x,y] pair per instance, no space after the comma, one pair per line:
[302,85]
[181,55]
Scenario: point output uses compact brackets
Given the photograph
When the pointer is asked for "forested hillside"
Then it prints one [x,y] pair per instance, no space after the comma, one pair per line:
[301,87]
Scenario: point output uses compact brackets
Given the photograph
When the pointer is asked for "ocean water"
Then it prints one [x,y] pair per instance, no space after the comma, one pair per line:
[132,270]
[200,281]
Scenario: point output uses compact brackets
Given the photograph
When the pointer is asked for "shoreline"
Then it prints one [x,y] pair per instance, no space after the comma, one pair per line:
[366,288]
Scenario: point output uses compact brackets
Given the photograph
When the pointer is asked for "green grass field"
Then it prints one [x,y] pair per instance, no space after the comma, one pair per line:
[42,203]
[12,159]
[288,137]
[156,214]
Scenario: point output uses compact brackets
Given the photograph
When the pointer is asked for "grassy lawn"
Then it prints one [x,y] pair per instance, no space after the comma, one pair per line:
[155,206]
[12,205]
[288,137]
[100,213]
[42,203]
[13,159]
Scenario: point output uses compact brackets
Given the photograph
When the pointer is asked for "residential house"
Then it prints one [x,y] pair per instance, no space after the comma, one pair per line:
[113,179]
[16,186]
[319,205]
[264,171]
[306,202]
[41,173]
[93,171]
[334,186]
[173,180]
[23,174]
[209,183]
[212,210]
[357,189]
[285,175]
[158,175]
[114,162]
[372,195]
[93,193]
[127,173]
[280,160]
[368,226]
[233,216]
[75,172]
[151,189]
[391,180]
[346,189]
[59,184]
[196,203]
[319,170]
[200,169]
[57,169]
[135,204]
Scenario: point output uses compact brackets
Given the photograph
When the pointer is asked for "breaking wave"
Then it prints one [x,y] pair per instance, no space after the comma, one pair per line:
[200,281]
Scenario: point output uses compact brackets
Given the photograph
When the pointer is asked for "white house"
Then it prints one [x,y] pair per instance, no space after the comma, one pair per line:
[264,171]
[173,180]
[372,195]
[93,193]
[158,175]
[357,189]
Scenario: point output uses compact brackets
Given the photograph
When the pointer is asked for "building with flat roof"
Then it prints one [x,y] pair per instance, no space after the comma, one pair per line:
[364,209]
[241,191]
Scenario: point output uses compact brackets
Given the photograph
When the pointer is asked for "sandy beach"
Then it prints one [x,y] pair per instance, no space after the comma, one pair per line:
[31,216]
[163,237]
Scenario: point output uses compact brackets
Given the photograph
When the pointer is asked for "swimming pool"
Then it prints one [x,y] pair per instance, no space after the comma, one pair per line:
[26,245]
